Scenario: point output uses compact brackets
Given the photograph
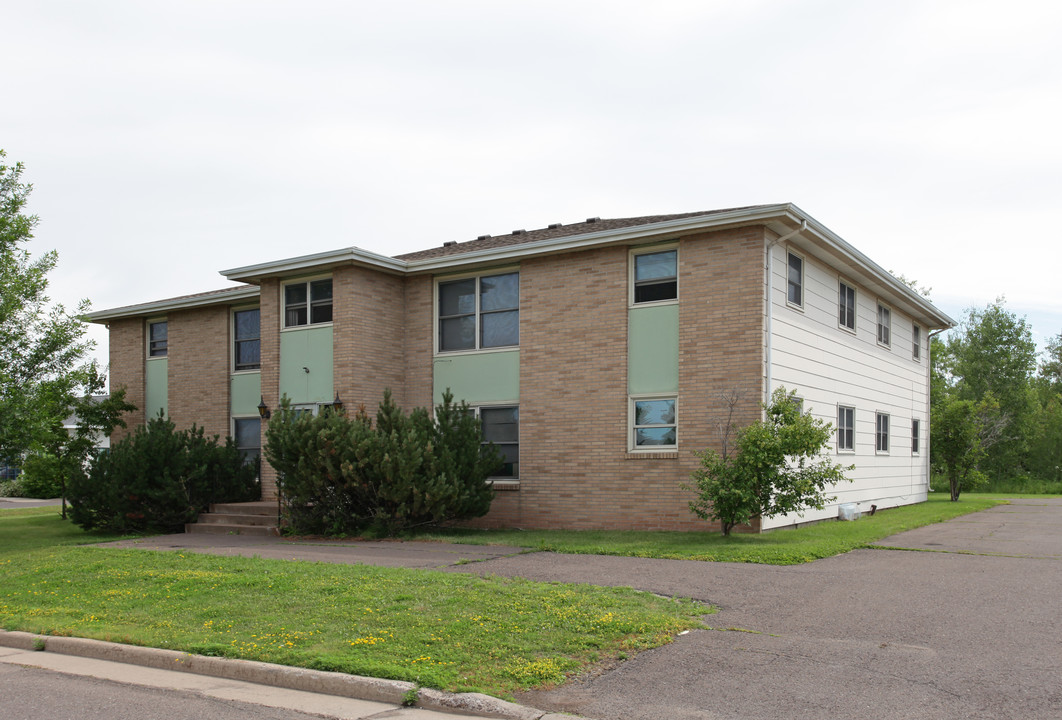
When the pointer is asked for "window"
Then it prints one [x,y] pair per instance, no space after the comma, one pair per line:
[501,426]
[882,433]
[884,325]
[654,424]
[915,428]
[246,331]
[846,305]
[158,339]
[248,432]
[479,312]
[795,294]
[916,342]
[308,303]
[656,276]
[845,428]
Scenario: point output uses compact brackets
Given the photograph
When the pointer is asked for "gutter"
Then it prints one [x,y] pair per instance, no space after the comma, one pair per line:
[768,279]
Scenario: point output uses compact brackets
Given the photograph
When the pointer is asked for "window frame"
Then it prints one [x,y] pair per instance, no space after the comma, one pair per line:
[632,282]
[477,313]
[916,436]
[150,349]
[881,433]
[478,410]
[916,342]
[236,341]
[308,282]
[842,446]
[842,303]
[789,281]
[633,427]
[884,328]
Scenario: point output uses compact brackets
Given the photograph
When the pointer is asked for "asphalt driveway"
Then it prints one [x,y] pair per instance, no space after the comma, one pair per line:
[970,629]
[955,620]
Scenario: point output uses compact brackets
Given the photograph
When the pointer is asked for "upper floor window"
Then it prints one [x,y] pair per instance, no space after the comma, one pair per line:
[795,282]
[655,276]
[846,305]
[884,325]
[479,312]
[246,331]
[916,432]
[308,303]
[158,339]
[916,342]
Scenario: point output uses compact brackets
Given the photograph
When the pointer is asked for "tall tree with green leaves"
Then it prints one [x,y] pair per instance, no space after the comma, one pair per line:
[993,354]
[43,349]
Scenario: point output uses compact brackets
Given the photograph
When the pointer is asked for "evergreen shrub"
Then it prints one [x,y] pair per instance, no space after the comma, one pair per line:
[340,474]
[160,478]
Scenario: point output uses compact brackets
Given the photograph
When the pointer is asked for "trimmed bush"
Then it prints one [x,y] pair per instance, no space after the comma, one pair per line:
[340,474]
[158,479]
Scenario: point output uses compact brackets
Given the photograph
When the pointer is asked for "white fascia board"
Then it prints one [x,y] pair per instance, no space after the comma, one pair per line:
[886,278]
[161,307]
[668,228]
[250,273]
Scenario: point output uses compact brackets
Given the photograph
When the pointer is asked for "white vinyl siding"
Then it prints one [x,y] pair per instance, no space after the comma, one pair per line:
[830,366]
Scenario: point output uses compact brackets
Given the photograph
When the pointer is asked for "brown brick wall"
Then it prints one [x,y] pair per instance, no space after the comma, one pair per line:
[126,350]
[199,369]
[368,336]
[575,468]
[269,303]
[419,339]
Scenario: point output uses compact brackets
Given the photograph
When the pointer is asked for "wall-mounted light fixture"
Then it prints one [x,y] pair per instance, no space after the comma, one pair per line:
[263,409]
[337,404]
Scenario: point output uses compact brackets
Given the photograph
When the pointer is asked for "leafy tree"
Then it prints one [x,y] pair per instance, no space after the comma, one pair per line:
[776,467]
[963,432]
[42,362]
[993,353]
[1051,367]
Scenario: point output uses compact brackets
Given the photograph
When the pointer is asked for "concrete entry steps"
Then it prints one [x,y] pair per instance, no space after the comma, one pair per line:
[249,518]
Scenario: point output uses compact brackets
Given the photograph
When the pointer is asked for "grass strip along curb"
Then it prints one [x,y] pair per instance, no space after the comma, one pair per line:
[395,692]
[455,632]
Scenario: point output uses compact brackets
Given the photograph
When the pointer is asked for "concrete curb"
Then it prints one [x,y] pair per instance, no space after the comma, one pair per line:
[282,676]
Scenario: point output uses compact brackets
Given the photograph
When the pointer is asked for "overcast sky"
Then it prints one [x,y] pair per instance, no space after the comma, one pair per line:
[168,141]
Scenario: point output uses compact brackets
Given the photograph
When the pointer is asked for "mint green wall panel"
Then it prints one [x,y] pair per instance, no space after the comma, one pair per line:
[246,393]
[302,350]
[480,378]
[156,390]
[653,346]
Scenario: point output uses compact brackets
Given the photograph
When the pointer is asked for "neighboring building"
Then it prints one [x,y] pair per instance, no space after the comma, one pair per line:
[597,354]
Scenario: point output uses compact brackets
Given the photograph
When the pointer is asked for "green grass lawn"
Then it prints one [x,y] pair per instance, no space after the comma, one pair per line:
[450,631]
[779,547]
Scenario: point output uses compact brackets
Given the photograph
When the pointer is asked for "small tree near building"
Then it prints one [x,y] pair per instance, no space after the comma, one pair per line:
[775,467]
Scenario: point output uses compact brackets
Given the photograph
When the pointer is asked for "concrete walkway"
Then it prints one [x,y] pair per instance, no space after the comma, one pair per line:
[962,622]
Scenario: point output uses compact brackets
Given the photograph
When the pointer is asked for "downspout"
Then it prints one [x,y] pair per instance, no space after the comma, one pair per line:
[929,404]
[768,278]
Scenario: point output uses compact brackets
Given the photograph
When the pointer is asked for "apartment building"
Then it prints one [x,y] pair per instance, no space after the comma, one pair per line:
[599,355]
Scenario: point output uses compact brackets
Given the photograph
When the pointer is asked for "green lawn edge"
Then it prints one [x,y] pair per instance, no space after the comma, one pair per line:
[789,546]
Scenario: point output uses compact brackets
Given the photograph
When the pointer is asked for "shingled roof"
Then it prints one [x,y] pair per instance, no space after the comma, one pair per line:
[528,237]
